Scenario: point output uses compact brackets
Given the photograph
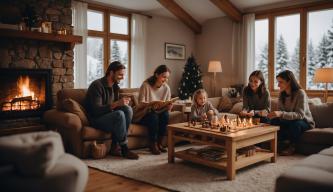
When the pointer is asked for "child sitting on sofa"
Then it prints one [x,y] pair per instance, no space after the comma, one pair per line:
[201,108]
[256,98]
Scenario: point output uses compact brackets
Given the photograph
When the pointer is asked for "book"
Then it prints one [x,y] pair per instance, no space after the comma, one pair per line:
[158,106]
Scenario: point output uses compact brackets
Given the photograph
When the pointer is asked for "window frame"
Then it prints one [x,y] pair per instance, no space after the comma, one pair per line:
[107,36]
[271,15]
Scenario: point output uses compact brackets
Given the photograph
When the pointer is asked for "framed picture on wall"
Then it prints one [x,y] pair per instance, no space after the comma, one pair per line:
[174,51]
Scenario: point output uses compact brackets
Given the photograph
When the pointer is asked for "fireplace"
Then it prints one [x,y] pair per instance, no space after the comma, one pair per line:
[24,92]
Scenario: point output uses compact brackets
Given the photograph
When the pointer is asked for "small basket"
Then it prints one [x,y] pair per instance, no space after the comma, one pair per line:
[98,150]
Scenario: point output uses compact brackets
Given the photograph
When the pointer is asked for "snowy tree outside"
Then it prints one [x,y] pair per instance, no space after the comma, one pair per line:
[94,59]
[119,52]
[261,47]
[319,45]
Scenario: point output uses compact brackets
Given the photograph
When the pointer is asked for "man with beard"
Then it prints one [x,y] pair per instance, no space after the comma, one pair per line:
[108,112]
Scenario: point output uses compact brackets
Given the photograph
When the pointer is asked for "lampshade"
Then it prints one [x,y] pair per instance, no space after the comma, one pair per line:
[214,66]
[323,75]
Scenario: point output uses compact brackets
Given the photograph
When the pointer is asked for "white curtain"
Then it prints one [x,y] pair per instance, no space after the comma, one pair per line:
[138,54]
[80,50]
[243,50]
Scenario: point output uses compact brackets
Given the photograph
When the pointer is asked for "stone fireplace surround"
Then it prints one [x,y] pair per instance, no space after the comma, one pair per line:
[36,54]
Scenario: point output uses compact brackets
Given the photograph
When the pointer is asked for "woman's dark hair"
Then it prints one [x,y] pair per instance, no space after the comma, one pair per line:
[262,87]
[114,66]
[159,70]
[294,85]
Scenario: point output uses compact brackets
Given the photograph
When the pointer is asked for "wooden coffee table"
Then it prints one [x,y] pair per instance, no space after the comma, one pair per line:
[230,142]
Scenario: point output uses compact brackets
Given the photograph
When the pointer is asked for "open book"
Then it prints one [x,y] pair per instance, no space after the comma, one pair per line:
[157,106]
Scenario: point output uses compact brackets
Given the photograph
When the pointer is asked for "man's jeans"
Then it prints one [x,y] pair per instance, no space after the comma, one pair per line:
[116,122]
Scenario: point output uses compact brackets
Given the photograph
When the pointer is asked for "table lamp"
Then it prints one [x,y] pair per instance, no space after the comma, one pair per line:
[324,75]
[214,67]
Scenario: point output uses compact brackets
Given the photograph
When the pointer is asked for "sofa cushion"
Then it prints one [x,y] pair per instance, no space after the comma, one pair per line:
[76,94]
[322,114]
[137,130]
[90,133]
[318,136]
[305,179]
[225,104]
[72,106]
[33,154]
[237,108]
[328,151]
[133,96]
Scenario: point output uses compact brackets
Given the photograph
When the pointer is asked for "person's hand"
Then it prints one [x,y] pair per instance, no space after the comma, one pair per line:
[274,114]
[243,113]
[170,106]
[121,102]
[251,113]
[204,116]
[263,113]
[156,105]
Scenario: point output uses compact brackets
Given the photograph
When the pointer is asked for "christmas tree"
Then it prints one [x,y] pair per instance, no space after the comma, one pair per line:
[191,79]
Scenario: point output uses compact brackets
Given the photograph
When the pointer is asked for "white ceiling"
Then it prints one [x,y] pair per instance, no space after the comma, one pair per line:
[200,10]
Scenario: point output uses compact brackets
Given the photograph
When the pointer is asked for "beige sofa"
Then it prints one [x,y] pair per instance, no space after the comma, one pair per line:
[312,141]
[78,138]
[37,162]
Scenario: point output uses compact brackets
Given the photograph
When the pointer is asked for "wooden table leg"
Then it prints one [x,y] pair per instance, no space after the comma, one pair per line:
[274,148]
[231,158]
[171,146]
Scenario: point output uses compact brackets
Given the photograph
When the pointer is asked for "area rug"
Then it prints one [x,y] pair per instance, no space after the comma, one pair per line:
[189,177]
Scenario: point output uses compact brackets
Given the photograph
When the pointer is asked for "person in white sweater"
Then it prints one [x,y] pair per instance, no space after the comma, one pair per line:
[294,115]
[155,88]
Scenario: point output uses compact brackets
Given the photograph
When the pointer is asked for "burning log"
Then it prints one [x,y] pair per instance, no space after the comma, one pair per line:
[27,98]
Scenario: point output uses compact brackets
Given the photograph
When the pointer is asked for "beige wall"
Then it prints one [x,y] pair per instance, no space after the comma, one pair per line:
[215,43]
[162,30]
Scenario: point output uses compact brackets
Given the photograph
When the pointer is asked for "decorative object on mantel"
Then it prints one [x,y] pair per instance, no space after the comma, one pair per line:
[68,39]
[324,75]
[30,17]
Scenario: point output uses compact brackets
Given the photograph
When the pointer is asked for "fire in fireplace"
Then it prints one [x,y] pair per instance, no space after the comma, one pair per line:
[24,92]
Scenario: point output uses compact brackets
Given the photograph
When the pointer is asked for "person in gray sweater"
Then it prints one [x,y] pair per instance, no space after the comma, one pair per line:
[294,115]
[108,112]
[256,98]
[155,88]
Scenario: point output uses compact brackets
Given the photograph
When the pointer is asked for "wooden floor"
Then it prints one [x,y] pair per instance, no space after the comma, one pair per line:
[104,182]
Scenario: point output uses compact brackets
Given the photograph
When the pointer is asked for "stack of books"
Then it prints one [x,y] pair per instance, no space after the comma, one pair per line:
[208,152]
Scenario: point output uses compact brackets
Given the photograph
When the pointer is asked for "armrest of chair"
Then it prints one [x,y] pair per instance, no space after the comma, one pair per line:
[56,118]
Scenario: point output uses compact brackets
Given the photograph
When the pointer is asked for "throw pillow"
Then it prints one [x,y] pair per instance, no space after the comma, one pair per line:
[237,108]
[72,106]
[225,104]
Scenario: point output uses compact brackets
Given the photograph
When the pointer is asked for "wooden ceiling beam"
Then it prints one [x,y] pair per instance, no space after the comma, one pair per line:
[181,14]
[229,9]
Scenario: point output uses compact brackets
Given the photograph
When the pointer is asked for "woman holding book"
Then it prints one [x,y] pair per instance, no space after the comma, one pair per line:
[294,115]
[256,98]
[156,119]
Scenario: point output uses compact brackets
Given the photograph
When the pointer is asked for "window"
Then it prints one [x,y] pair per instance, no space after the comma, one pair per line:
[299,39]
[95,20]
[119,24]
[261,47]
[319,45]
[287,45]
[108,40]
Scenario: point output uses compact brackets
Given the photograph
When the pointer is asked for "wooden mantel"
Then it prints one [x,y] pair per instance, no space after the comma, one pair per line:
[69,40]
